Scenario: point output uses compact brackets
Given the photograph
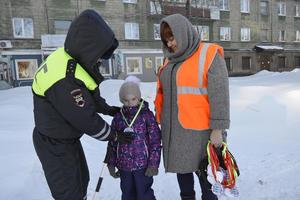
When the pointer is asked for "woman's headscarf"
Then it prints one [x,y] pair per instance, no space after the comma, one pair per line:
[185,35]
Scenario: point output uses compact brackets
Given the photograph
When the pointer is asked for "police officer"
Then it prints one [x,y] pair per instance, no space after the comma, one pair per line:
[67,102]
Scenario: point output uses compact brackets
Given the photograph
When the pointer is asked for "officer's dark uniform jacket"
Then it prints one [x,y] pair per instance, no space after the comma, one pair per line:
[66,94]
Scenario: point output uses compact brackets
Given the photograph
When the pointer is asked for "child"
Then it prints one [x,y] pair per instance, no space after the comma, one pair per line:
[137,162]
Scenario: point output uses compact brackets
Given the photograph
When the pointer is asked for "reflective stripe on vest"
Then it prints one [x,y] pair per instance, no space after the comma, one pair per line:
[191,90]
[54,69]
[197,90]
[191,81]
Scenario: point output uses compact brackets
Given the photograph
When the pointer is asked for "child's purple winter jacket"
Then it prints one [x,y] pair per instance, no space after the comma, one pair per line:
[144,150]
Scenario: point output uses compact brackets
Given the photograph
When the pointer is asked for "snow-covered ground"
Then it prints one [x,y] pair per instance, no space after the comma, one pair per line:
[264,137]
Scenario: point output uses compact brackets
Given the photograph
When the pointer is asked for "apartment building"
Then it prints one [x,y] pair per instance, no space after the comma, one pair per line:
[255,34]
[259,35]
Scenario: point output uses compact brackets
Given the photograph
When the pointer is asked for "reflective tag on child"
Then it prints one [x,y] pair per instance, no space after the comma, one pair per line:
[128,130]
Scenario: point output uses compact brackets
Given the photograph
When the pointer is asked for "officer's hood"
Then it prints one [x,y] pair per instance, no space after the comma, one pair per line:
[88,40]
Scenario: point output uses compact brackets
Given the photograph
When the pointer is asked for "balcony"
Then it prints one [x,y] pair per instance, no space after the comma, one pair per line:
[169,8]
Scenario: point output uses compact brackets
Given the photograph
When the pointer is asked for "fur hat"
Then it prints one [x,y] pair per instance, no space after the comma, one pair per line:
[131,86]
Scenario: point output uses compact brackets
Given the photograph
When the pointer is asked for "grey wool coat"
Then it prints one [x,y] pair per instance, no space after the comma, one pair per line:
[183,149]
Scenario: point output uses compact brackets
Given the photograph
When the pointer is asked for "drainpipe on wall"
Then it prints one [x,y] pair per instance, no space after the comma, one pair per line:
[47,17]
[271,19]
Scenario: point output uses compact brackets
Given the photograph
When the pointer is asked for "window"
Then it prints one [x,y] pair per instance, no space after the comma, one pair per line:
[297,61]
[297,9]
[245,34]
[134,65]
[23,27]
[281,61]
[264,8]
[25,68]
[282,36]
[264,35]
[105,68]
[245,6]
[156,31]
[130,1]
[61,26]
[223,4]
[246,63]
[180,1]
[158,63]
[297,36]
[228,64]
[148,63]
[155,7]
[132,31]
[225,33]
[281,8]
[204,32]
[196,3]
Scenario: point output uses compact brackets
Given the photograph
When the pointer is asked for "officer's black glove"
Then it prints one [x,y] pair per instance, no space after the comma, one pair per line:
[113,110]
[123,138]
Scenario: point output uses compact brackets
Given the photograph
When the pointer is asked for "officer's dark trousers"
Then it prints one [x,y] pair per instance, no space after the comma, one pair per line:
[136,186]
[64,165]
[186,185]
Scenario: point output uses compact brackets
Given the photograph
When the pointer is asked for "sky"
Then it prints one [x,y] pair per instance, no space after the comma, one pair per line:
[264,137]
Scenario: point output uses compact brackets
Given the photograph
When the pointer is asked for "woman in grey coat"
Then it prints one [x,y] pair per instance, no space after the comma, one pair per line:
[184,147]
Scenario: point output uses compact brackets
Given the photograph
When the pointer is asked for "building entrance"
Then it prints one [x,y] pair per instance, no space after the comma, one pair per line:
[265,62]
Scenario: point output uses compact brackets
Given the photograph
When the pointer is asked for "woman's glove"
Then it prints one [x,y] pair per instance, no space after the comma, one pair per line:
[151,171]
[216,137]
[113,172]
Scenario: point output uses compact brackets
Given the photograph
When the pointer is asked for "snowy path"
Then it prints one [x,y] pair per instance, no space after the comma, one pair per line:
[264,137]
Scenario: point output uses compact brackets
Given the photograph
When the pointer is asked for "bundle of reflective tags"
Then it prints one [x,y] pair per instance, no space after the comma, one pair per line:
[222,171]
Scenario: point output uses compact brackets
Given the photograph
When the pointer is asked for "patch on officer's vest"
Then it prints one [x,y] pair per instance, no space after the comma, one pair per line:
[78,97]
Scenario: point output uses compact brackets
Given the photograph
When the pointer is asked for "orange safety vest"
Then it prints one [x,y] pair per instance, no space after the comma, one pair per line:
[191,82]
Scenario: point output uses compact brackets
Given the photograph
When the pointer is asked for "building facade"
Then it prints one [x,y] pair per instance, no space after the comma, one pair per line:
[256,34]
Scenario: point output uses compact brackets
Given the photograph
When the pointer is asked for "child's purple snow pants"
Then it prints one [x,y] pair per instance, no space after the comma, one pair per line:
[136,186]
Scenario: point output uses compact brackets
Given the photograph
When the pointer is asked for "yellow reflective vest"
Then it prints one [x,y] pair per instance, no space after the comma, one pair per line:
[54,69]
